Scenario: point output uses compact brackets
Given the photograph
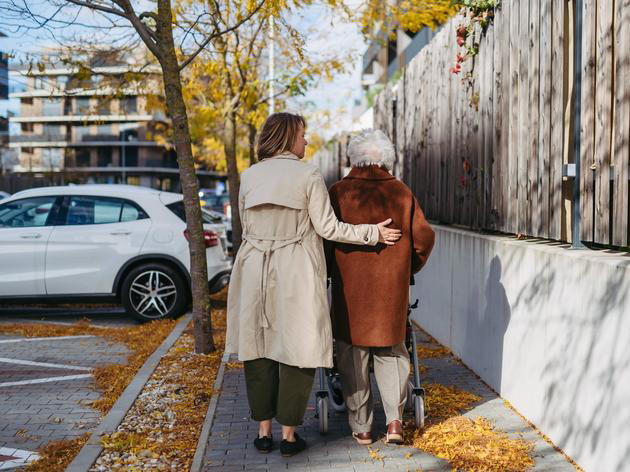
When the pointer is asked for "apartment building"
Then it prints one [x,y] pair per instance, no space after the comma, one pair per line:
[77,129]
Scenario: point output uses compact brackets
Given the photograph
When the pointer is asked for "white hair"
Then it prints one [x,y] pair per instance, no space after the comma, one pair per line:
[371,147]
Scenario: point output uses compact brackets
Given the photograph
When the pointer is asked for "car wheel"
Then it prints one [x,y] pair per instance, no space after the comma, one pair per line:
[154,291]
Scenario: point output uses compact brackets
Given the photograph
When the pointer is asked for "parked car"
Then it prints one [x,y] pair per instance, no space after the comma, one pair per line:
[209,217]
[96,243]
[4,195]
[213,201]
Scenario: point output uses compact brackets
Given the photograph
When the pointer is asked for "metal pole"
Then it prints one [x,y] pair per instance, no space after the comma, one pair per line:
[272,99]
[576,242]
[122,148]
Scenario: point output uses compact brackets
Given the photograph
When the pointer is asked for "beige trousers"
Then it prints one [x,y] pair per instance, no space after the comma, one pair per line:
[391,370]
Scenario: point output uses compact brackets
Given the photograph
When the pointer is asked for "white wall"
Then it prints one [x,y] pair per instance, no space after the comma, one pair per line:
[546,326]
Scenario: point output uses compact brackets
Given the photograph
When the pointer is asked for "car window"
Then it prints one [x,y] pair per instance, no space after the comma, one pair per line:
[131,213]
[88,210]
[26,213]
[207,217]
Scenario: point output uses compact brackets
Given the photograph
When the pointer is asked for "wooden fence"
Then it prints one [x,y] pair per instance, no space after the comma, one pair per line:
[499,155]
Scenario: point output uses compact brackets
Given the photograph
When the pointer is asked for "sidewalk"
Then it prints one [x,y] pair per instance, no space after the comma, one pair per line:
[230,445]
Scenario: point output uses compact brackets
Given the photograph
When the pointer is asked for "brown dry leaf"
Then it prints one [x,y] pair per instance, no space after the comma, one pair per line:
[426,352]
[475,446]
[374,454]
[443,401]
[57,455]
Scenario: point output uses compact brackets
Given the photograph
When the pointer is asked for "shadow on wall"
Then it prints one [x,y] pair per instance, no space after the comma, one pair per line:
[492,322]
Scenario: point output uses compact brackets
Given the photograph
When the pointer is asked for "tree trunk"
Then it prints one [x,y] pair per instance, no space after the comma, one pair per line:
[252,144]
[176,110]
[229,147]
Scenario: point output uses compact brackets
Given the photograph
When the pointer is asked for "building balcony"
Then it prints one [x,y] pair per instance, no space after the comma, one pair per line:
[87,118]
[78,92]
[88,140]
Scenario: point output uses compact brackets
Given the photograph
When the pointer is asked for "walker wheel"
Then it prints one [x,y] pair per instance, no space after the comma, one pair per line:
[322,413]
[409,402]
[418,407]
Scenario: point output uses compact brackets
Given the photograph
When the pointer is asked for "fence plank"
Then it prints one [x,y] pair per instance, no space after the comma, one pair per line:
[513,153]
[533,216]
[452,104]
[478,127]
[448,38]
[523,116]
[497,117]
[603,113]
[545,122]
[587,120]
[621,136]
[505,114]
[557,119]
[488,128]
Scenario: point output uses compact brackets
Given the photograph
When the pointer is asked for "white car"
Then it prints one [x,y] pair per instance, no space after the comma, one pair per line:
[4,195]
[104,243]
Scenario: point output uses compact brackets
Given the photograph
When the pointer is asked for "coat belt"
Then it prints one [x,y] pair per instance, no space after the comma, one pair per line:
[257,243]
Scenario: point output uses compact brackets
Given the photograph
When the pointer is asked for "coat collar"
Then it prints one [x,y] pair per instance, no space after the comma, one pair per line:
[286,155]
[369,173]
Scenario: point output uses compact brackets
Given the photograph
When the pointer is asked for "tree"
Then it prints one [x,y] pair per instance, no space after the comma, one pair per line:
[409,15]
[228,90]
[155,28]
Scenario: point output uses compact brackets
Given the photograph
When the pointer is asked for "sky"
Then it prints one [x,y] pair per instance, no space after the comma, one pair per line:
[328,105]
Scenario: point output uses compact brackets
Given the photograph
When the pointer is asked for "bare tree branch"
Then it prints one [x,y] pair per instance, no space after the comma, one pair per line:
[99,7]
[220,33]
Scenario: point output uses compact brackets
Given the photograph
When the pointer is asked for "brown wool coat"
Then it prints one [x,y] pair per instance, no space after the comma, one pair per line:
[370,285]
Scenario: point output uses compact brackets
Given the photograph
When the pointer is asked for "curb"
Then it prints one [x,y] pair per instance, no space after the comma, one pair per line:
[93,448]
[197,462]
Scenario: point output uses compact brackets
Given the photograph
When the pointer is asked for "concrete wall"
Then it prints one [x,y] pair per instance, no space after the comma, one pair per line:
[546,326]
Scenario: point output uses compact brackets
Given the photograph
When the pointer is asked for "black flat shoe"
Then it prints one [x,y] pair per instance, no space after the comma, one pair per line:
[264,444]
[288,449]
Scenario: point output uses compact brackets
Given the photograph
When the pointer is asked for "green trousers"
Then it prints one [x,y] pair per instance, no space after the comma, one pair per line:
[276,390]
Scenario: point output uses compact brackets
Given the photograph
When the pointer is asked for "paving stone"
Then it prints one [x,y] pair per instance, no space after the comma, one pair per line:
[32,409]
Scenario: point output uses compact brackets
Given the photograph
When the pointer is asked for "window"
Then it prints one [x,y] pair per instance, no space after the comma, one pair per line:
[52,107]
[104,157]
[27,213]
[132,213]
[129,105]
[86,210]
[82,105]
[80,131]
[51,130]
[26,101]
[27,127]
[104,107]
[83,158]
[130,156]
[209,217]
[104,130]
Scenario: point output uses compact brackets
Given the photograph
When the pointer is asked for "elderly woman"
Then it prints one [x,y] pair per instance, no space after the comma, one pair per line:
[278,315]
[371,285]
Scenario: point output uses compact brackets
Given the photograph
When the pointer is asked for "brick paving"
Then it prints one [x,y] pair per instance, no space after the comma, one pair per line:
[33,414]
[230,445]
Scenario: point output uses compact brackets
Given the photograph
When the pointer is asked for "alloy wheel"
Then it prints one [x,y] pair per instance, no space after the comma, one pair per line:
[153,294]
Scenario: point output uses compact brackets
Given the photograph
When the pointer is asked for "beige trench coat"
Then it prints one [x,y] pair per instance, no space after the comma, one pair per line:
[277,300]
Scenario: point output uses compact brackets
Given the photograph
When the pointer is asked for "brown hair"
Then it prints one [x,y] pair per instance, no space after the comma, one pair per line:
[278,134]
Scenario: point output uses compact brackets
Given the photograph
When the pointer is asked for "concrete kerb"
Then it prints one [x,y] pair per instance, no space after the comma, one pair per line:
[93,448]
[197,462]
